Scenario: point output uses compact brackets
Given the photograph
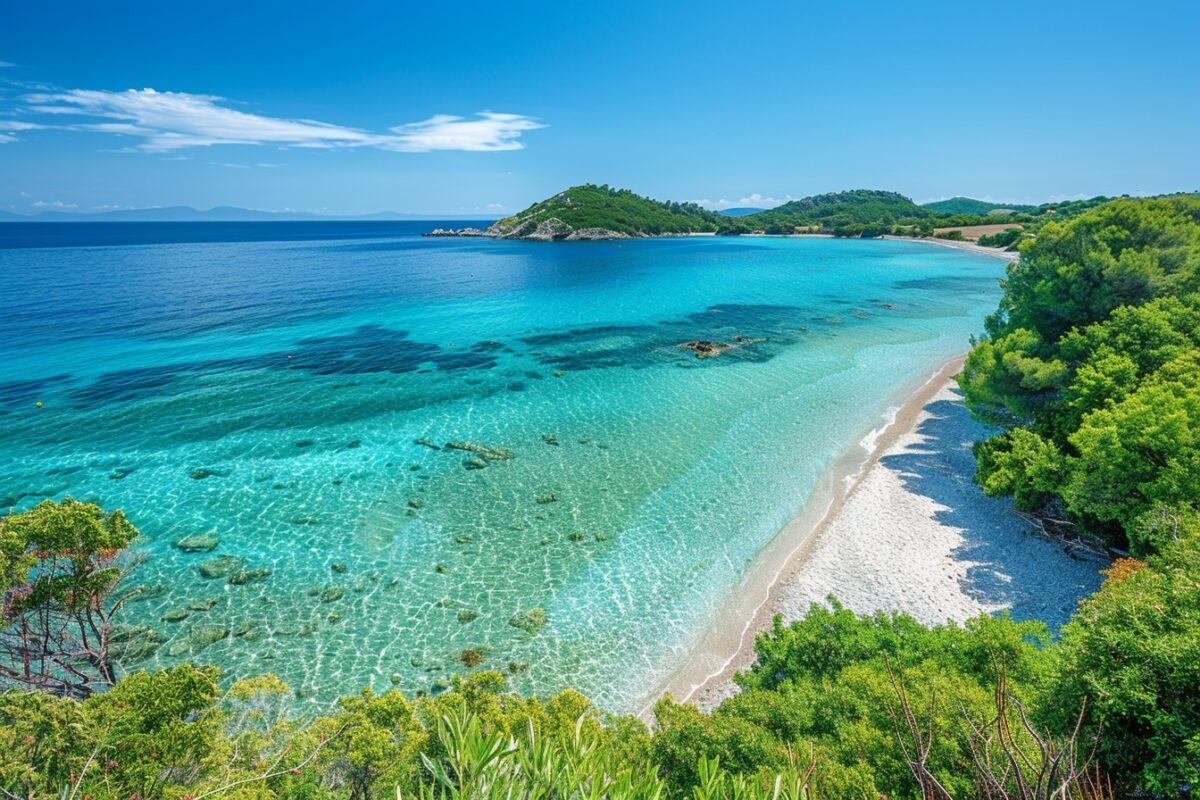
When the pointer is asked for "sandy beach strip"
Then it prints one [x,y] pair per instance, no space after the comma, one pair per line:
[905,530]
[970,247]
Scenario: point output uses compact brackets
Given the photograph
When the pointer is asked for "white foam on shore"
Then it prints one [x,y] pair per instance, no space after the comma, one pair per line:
[909,531]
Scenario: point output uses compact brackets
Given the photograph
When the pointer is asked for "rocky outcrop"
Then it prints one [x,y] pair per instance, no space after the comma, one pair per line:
[467,232]
[546,230]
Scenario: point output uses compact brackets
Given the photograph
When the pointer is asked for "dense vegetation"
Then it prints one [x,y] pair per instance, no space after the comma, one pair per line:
[590,211]
[1091,369]
[601,208]
[979,208]
[852,213]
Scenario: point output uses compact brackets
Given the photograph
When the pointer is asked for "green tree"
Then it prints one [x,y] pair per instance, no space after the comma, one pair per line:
[59,564]
[1132,654]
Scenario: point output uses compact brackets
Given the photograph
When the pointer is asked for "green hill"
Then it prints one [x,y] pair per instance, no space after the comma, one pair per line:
[601,212]
[966,205]
[852,213]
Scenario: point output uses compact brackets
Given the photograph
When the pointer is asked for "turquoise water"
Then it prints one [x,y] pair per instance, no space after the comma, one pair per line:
[266,385]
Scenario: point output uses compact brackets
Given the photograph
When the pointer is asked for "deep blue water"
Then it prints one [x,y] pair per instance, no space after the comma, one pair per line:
[267,383]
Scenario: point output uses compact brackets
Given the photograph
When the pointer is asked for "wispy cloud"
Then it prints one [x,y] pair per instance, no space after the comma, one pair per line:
[169,121]
[443,132]
[53,204]
[4,64]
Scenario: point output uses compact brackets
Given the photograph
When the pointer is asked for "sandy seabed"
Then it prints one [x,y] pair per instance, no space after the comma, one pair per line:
[908,531]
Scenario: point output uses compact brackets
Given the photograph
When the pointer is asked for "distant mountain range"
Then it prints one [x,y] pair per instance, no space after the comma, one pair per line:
[218,214]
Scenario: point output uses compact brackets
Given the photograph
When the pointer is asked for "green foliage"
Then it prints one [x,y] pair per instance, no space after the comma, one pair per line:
[1132,652]
[1139,452]
[852,213]
[478,764]
[154,727]
[1091,367]
[58,567]
[823,682]
[1126,252]
[966,205]
[1008,238]
[617,210]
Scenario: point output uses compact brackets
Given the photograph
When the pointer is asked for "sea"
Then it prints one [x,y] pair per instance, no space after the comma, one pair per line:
[408,458]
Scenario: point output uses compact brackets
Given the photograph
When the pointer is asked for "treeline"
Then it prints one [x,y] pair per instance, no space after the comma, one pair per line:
[870,213]
[1091,368]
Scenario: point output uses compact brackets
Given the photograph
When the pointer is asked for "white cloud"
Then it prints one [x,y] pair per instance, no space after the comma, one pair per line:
[168,121]
[443,132]
[753,200]
[53,204]
[6,64]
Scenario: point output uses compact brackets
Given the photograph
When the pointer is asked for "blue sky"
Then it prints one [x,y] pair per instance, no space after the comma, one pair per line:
[438,108]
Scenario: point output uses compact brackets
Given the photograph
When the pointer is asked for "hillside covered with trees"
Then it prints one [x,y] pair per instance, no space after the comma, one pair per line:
[1091,368]
[601,212]
[982,208]
[852,213]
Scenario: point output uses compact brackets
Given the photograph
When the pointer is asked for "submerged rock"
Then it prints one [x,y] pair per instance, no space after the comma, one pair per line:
[176,615]
[130,643]
[204,604]
[471,658]
[483,451]
[248,631]
[549,438]
[475,463]
[200,474]
[530,621]
[221,566]
[339,568]
[330,595]
[121,473]
[142,593]
[198,638]
[252,575]
[547,499]
[426,443]
[466,615]
[705,349]
[198,543]
[415,503]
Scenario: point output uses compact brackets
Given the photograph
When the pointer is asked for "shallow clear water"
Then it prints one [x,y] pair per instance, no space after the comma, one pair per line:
[267,384]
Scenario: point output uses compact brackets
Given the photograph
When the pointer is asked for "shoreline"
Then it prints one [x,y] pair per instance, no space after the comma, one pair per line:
[611,236]
[901,528]
[970,247]
[727,645]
